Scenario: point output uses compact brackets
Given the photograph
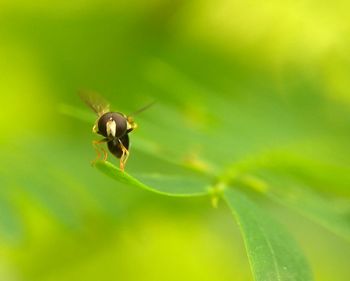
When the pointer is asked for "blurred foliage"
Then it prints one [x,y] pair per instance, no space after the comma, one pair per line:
[253,95]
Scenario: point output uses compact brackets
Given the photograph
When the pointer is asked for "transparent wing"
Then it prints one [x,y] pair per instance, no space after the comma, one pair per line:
[147,106]
[93,100]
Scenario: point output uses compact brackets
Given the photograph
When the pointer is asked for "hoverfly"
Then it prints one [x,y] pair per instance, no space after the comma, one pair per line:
[113,126]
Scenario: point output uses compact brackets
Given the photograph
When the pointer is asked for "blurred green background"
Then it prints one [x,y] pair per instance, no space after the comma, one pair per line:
[233,80]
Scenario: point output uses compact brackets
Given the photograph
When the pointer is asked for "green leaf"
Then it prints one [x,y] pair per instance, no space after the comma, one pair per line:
[162,184]
[324,211]
[273,254]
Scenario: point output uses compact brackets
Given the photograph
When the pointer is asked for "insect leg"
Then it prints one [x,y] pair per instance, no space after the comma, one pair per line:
[124,157]
[98,150]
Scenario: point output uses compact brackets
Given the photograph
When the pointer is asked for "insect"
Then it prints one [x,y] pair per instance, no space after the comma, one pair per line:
[113,126]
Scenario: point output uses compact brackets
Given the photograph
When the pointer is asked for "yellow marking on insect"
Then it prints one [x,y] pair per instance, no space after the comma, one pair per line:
[95,129]
[131,123]
[128,126]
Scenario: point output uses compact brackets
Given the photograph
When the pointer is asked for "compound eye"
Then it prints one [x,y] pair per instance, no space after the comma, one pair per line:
[112,125]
